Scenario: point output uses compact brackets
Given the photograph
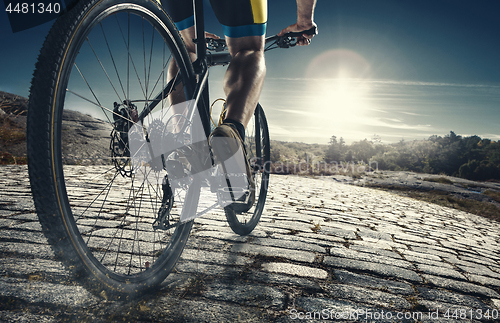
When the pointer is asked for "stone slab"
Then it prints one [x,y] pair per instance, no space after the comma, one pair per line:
[296,270]
[399,288]
[251,249]
[461,286]
[376,268]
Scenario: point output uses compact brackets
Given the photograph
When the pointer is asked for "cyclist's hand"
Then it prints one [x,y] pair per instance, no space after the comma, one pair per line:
[305,39]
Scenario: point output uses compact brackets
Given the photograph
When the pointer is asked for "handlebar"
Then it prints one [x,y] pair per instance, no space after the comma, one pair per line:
[285,41]
[289,39]
[311,31]
[216,46]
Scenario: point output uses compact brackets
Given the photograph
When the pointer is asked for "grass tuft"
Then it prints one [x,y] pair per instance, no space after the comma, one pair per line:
[493,194]
[316,228]
[10,133]
[9,159]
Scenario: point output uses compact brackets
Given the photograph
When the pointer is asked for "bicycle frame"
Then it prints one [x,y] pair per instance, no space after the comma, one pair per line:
[200,68]
[203,61]
[199,25]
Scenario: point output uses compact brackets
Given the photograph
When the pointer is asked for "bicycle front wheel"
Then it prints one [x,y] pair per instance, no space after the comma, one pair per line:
[103,67]
[259,155]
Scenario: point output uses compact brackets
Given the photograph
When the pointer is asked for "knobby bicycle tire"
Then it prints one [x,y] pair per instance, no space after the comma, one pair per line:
[259,154]
[104,231]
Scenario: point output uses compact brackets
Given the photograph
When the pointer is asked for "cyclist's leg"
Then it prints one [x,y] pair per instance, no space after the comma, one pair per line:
[181,13]
[244,77]
[187,35]
[244,24]
[242,84]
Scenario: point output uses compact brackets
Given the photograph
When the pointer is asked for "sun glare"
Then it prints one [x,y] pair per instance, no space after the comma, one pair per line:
[338,84]
[341,99]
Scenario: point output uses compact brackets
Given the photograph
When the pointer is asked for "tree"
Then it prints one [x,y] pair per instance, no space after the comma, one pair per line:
[363,150]
[275,155]
[334,153]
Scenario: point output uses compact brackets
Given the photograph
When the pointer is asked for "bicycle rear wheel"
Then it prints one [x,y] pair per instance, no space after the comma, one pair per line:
[259,154]
[102,65]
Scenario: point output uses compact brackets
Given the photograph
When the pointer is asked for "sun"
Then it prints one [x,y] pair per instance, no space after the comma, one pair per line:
[338,83]
[341,98]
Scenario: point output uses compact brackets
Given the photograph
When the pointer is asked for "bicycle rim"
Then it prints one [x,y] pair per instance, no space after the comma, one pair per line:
[259,155]
[112,57]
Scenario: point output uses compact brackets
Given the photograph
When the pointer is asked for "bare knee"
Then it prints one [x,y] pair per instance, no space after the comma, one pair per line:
[249,58]
[245,44]
[247,68]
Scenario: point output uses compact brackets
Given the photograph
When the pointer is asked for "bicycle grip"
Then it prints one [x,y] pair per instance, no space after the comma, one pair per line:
[311,31]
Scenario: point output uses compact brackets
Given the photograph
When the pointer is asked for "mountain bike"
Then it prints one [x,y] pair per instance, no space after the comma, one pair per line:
[111,71]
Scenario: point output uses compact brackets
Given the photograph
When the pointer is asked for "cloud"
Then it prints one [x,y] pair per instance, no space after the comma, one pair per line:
[414,114]
[491,136]
[301,112]
[384,82]
[279,130]
[396,124]
[436,84]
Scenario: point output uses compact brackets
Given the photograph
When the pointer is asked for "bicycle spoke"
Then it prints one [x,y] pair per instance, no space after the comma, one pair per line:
[144,56]
[90,88]
[102,207]
[137,212]
[147,66]
[163,74]
[132,197]
[151,57]
[104,70]
[100,106]
[161,77]
[95,199]
[130,59]
[126,46]
[101,174]
[113,60]
[155,211]
[121,236]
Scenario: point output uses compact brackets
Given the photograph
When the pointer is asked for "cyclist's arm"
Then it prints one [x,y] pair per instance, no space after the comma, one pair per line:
[305,21]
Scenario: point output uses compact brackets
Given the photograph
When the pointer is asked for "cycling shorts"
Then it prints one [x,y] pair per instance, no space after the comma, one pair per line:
[239,18]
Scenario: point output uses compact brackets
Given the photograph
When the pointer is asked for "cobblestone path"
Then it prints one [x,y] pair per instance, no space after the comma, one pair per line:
[322,250]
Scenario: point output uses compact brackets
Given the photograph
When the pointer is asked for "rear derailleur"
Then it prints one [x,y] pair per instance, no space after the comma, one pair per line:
[163,220]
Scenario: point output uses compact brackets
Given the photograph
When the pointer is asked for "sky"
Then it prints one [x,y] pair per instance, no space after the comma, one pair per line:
[392,69]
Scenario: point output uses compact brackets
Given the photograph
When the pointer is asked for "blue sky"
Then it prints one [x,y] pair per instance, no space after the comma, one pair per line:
[397,69]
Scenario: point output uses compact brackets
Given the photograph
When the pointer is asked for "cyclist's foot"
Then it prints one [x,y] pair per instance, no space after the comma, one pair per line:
[230,152]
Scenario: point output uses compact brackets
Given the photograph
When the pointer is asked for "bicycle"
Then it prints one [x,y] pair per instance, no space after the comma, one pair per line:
[119,227]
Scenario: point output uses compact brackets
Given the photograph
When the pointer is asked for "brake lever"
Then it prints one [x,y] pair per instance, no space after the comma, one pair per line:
[286,42]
